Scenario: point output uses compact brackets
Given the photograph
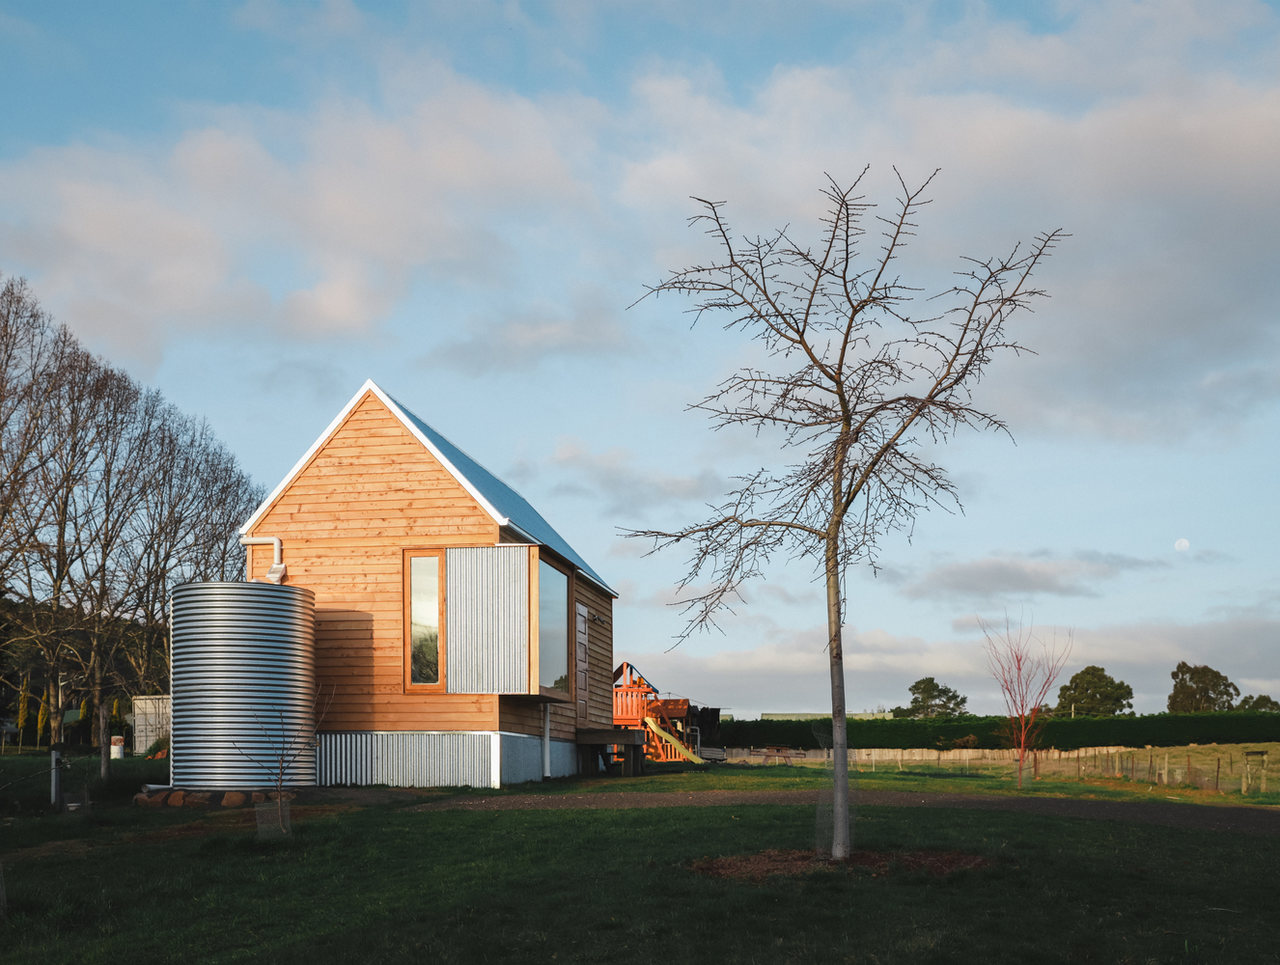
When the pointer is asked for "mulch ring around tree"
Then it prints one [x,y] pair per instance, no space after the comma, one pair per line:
[789,864]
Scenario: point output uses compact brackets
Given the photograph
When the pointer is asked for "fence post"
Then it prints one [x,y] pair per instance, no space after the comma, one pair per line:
[1217,774]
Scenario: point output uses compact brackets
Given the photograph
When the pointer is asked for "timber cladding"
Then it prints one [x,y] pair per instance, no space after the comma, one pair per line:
[369,493]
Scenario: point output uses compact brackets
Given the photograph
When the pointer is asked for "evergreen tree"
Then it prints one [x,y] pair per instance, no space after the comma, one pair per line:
[932,699]
[1093,692]
[1200,688]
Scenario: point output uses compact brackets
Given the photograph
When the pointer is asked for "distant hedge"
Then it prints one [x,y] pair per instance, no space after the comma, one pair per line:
[1063,733]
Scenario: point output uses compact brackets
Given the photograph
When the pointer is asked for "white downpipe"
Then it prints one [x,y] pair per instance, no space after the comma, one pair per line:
[276,573]
[546,741]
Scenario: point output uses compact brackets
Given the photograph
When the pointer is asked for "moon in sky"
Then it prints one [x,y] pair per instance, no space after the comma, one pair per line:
[1182,545]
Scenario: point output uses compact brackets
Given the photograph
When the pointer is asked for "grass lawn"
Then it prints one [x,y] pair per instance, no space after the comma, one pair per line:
[387,883]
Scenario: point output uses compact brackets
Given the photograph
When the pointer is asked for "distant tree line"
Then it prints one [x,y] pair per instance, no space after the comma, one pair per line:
[1198,689]
[1092,692]
[109,497]
[1063,733]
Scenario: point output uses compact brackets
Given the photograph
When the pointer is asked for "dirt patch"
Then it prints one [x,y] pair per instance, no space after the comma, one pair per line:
[73,848]
[789,864]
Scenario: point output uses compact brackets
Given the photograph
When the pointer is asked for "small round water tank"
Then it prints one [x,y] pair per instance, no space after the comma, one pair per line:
[244,686]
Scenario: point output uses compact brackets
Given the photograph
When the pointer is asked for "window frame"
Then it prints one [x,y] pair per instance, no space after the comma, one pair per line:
[567,572]
[410,687]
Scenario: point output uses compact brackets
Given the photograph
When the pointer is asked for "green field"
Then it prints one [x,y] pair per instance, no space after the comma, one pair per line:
[381,880]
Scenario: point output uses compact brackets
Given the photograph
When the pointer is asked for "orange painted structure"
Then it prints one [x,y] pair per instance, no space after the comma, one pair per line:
[668,732]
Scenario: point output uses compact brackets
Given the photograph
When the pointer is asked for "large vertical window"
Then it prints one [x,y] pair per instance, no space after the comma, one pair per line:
[424,646]
[553,627]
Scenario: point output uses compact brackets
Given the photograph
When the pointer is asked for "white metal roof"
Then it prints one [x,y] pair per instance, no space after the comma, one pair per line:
[503,504]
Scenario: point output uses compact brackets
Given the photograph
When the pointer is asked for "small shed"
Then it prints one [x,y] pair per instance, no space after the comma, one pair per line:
[151,721]
[460,640]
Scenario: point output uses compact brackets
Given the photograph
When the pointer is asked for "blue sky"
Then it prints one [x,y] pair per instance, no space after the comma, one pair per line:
[257,206]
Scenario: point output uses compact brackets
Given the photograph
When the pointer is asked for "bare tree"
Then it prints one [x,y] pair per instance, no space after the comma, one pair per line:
[859,387]
[54,511]
[187,526]
[108,498]
[31,349]
[1025,667]
[104,584]
[280,752]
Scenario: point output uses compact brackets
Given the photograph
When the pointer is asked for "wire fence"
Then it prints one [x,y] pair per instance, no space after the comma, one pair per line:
[1209,768]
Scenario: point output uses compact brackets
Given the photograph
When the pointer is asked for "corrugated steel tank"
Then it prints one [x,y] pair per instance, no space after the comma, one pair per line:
[244,685]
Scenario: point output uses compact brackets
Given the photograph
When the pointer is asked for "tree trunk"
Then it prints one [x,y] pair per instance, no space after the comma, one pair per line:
[103,728]
[840,837]
[53,698]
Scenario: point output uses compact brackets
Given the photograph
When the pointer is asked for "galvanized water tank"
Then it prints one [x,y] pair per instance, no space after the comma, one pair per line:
[244,686]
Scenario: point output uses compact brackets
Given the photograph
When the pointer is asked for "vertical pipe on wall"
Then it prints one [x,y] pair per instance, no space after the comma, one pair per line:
[275,574]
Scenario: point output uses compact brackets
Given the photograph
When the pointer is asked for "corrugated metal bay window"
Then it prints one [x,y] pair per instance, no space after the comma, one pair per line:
[488,619]
[471,605]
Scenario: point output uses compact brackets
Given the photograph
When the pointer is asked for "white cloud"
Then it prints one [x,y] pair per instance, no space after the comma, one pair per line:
[626,490]
[587,328]
[326,21]
[327,218]
[1161,316]
[124,238]
[1018,577]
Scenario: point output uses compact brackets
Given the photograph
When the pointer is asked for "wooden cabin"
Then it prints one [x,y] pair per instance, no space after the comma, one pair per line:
[460,640]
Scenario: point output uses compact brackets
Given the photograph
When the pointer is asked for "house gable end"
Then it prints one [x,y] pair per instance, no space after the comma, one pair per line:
[369,477]
[349,433]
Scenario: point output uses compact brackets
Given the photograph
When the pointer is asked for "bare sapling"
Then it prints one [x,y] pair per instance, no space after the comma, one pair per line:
[1025,666]
[283,750]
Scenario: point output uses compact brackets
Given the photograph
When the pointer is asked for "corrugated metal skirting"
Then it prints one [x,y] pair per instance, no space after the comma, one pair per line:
[409,759]
[522,759]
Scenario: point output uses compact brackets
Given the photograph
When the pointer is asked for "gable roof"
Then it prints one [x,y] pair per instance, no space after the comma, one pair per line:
[503,504]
